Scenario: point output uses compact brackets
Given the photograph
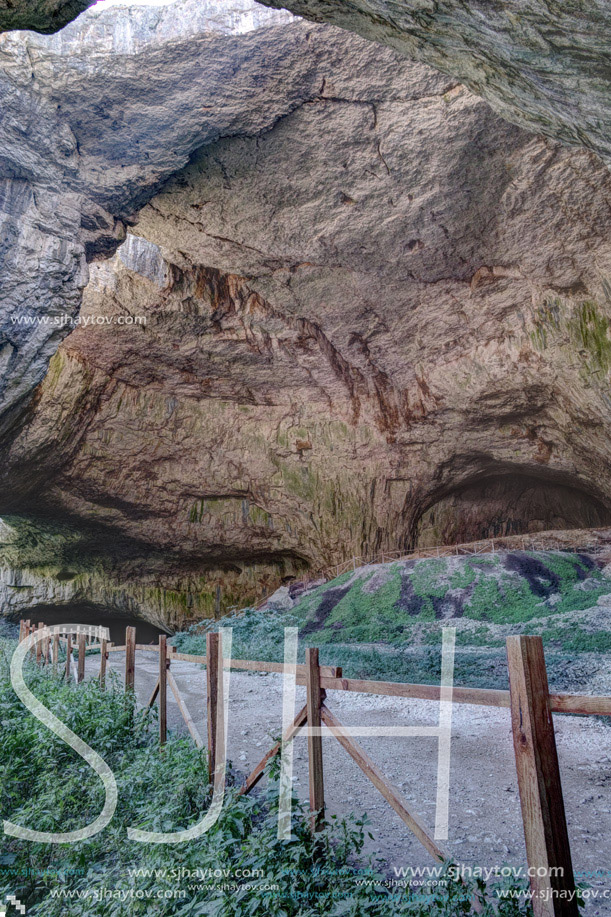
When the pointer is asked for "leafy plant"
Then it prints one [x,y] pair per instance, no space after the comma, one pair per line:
[239,868]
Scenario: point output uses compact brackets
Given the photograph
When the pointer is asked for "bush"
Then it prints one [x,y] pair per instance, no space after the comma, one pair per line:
[46,786]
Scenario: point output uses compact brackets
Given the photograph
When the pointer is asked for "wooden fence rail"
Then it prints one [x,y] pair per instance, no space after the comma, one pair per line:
[542,541]
[529,701]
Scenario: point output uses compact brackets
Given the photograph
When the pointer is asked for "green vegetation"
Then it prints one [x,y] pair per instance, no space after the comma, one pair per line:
[573,639]
[385,621]
[46,787]
[582,326]
[360,616]
[590,330]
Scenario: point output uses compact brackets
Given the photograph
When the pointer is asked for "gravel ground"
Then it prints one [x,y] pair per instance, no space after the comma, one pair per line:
[485,824]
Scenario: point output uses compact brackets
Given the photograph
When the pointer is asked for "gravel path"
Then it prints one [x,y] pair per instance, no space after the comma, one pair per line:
[485,823]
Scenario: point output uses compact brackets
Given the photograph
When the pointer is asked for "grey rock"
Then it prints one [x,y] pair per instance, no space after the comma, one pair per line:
[39,15]
[365,292]
[280,600]
[379,325]
[85,141]
[545,66]
[144,258]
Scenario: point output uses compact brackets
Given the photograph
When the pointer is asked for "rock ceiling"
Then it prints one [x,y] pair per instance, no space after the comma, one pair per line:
[376,311]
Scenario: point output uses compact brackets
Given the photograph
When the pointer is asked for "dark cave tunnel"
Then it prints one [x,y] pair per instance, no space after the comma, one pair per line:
[511,503]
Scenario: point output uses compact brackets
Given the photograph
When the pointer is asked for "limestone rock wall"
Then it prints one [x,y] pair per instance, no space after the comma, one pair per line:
[388,298]
[93,121]
[543,65]
[354,309]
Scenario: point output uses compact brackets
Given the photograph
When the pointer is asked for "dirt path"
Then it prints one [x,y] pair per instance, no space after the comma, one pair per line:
[485,823]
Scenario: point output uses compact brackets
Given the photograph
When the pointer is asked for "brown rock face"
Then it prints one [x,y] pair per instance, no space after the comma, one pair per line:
[384,320]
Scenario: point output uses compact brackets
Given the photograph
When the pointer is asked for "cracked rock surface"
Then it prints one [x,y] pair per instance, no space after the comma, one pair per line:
[381,318]
[545,66]
[332,303]
[85,141]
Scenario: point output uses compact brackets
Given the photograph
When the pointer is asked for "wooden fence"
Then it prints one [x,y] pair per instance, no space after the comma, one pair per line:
[529,700]
[542,541]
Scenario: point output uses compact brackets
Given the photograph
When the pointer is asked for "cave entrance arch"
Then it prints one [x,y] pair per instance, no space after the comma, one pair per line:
[508,503]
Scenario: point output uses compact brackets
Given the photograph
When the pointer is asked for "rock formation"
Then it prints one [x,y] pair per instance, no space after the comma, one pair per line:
[39,15]
[367,312]
[543,65]
[85,141]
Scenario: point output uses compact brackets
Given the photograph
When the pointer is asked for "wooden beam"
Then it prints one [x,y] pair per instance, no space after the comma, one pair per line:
[315,760]
[55,652]
[331,680]
[39,644]
[130,658]
[247,665]
[21,630]
[214,675]
[545,829]
[289,734]
[82,644]
[184,711]
[103,661]
[587,705]
[27,630]
[68,656]
[390,793]
[162,684]
[480,696]
[153,696]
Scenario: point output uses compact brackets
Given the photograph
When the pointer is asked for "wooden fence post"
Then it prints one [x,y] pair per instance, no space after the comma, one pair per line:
[130,658]
[315,764]
[163,689]
[103,661]
[545,830]
[21,630]
[55,652]
[82,645]
[68,656]
[39,644]
[213,649]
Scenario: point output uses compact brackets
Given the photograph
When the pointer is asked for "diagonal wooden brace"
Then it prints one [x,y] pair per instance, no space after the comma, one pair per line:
[390,793]
[299,721]
[184,711]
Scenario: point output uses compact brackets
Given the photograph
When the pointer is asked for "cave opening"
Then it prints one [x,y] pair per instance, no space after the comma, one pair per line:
[510,503]
[99,615]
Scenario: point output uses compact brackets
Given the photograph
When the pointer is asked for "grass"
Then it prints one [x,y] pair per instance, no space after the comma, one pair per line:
[385,622]
[45,786]
[575,640]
